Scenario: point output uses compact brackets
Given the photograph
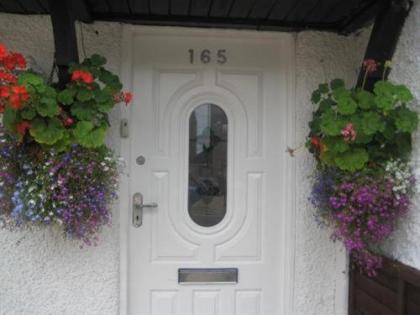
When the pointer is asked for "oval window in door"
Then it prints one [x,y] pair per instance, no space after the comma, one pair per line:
[207,180]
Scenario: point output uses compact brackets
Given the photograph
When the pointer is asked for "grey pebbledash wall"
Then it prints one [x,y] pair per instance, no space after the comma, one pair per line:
[40,273]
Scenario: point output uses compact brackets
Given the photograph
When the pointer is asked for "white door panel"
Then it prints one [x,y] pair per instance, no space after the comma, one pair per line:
[252,88]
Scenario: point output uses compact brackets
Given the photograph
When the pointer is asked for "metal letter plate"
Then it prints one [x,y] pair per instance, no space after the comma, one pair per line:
[207,275]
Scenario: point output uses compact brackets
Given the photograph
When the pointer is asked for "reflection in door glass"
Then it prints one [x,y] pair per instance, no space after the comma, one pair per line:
[207,165]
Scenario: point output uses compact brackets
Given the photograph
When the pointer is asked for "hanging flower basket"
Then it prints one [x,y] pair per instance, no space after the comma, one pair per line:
[54,166]
[363,182]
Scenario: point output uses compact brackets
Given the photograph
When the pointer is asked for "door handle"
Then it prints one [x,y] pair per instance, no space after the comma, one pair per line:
[138,207]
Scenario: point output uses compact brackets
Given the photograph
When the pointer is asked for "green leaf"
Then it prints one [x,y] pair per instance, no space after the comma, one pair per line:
[29,78]
[365,99]
[47,132]
[352,160]
[66,96]
[47,107]
[83,111]
[325,104]
[50,92]
[111,80]
[97,60]
[406,120]
[384,98]
[316,96]
[384,102]
[105,107]
[28,113]
[88,136]
[65,142]
[341,92]
[336,83]
[323,88]
[336,145]
[9,119]
[346,105]
[402,93]
[330,125]
[84,95]
[372,123]
[315,125]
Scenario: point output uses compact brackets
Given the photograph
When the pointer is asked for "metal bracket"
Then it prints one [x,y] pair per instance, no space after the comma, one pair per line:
[124,130]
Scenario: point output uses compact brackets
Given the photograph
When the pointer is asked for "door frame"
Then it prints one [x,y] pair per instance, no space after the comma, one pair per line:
[129,35]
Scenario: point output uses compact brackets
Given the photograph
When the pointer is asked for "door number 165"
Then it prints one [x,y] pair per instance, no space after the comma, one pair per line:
[207,56]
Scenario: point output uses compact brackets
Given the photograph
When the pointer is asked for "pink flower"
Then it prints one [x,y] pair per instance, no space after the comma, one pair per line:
[349,133]
[370,65]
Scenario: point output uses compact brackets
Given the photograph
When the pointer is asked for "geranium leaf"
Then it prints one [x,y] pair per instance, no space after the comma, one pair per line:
[323,88]
[97,60]
[406,120]
[30,79]
[47,132]
[372,123]
[365,99]
[336,145]
[330,125]
[83,111]
[84,95]
[88,135]
[384,102]
[402,93]
[352,160]
[346,105]
[336,83]
[316,96]
[9,119]
[47,107]
[66,96]
[28,113]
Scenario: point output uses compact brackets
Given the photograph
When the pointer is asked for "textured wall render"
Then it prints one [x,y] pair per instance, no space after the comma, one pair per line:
[405,245]
[42,274]
[320,286]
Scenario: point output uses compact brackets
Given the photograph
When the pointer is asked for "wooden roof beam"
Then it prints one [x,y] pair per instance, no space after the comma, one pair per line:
[384,37]
[65,40]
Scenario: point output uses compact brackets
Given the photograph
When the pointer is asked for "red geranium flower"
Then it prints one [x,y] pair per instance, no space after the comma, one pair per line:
[22,127]
[20,60]
[128,97]
[82,75]
[7,77]
[19,95]
[9,62]
[3,51]
[316,141]
[4,91]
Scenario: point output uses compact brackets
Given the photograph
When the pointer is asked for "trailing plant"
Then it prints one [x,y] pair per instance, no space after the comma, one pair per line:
[362,142]
[54,166]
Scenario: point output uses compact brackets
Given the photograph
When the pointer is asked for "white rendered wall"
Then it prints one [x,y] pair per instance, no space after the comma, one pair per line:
[405,245]
[42,274]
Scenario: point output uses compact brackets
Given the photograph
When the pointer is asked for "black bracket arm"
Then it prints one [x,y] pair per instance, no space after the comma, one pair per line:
[384,37]
[64,13]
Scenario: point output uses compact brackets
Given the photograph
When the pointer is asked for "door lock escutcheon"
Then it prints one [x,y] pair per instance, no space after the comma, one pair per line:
[138,207]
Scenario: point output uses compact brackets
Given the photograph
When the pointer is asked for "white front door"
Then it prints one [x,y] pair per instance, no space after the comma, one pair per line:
[208,131]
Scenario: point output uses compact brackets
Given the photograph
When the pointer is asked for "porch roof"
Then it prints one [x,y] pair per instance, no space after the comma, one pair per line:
[275,15]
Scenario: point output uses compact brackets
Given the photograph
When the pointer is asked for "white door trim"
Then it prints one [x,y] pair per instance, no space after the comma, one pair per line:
[129,34]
